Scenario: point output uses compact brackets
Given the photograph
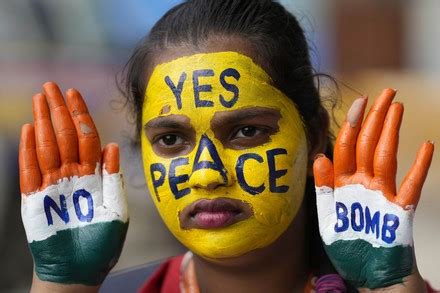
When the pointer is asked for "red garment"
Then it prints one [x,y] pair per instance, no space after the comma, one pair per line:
[167,278]
[430,289]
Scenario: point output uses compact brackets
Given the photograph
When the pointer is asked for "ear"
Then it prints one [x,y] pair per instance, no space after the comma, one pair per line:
[318,137]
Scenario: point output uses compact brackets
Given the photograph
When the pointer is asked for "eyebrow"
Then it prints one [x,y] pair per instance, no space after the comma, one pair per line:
[170,121]
[236,116]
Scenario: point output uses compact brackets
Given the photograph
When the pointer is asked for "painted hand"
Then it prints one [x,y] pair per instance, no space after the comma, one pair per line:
[366,225]
[75,214]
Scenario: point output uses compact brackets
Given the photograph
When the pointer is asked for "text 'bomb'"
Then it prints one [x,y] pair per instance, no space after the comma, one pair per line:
[361,219]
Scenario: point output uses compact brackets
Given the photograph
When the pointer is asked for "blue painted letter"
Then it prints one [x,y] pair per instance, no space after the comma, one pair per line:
[341,214]
[62,212]
[390,228]
[372,223]
[357,206]
[84,193]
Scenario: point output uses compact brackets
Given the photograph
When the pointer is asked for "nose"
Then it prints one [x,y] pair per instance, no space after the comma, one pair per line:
[208,170]
[208,179]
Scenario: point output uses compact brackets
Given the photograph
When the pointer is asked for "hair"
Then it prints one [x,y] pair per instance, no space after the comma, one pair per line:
[277,39]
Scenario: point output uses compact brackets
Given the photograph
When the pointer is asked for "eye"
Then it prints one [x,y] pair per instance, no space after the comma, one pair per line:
[170,140]
[248,131]
[249,136]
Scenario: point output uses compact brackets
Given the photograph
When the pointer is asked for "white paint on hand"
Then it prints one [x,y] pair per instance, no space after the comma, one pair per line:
[375,201]
[85,129]
[109,204]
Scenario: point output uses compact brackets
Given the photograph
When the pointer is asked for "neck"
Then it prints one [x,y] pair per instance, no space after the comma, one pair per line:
[280,267]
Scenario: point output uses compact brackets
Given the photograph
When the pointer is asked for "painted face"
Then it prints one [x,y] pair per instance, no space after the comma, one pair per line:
[224,152]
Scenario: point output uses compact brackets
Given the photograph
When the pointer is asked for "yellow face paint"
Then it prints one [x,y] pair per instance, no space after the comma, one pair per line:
[268,177]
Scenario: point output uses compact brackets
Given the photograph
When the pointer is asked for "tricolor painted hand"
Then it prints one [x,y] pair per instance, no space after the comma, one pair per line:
[365,222]
[74,212]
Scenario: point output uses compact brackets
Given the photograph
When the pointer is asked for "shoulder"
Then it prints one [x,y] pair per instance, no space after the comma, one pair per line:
[159,276]
[429,289]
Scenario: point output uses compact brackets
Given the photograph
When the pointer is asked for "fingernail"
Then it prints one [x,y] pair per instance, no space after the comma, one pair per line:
[356,110]
[319,156]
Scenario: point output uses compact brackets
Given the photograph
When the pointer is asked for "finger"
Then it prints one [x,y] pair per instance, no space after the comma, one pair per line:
[88,138]
[371,130]
[30,175]
[65,132]
[323,171]
[46,144]
[385,157]
[345,145]
[113,189]
[411,187]
[110,158]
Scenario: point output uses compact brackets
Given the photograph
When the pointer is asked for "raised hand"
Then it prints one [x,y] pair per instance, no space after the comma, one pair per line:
[74,210]
[365,223]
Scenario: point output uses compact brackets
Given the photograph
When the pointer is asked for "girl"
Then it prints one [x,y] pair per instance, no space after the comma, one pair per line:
[229,121]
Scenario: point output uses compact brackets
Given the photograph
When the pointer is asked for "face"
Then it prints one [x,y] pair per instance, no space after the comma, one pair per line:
[224,153]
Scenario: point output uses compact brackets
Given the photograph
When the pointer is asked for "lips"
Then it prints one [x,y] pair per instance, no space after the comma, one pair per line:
[214,213]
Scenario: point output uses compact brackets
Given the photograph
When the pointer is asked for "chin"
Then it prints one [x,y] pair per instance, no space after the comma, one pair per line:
[231,242]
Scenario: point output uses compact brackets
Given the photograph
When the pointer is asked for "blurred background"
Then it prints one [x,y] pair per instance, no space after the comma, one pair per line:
[367,45]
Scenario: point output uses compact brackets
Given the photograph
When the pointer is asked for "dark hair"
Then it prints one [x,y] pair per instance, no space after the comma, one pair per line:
[277,40]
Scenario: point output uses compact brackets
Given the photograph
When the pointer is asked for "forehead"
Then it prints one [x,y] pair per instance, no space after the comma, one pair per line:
[202,84]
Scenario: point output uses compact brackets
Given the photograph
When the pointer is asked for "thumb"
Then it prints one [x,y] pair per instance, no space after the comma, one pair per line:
[323,171]
[110,158]
[113,189]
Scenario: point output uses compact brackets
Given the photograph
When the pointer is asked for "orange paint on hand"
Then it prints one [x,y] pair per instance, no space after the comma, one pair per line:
[367,154]
[62,143]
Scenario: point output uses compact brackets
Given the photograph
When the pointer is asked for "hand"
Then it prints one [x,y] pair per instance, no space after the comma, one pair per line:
[75,214]
[365,223]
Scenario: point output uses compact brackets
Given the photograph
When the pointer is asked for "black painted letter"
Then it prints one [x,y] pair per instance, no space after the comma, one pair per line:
[216,164]
[274,174]
[157,167]
[206,88]
[175,180]
[230,72]
[240,175]
[177,91]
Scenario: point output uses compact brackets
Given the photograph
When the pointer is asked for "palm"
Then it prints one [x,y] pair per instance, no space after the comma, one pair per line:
[74,212]
[365,223]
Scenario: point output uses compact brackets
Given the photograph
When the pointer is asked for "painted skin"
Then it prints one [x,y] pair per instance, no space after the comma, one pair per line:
[33,169]
[251,179]
[60,158]
[363,175]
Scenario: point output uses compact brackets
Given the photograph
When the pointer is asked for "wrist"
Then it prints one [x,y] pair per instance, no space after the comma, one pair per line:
[45,286]
[413,283]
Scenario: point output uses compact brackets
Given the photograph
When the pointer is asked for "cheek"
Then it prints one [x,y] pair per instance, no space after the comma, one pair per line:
[284,180]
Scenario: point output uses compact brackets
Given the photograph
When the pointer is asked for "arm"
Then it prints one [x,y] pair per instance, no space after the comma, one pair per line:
[365,222]
[74,206]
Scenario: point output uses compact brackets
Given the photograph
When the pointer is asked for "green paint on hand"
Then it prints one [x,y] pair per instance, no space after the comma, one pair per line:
[365,266]
[82,255]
